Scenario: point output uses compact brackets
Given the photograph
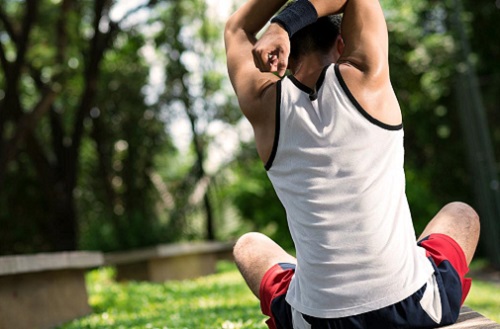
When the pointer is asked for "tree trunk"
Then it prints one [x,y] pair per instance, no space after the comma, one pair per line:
[478,142]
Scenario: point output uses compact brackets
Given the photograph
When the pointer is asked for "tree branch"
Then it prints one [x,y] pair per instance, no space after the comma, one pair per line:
[42,165]
[57,133]
[104,160]
[3,59]
[8,26]
[7,69]
[22,41]
[62,36]
[150,4]
[98,46]
[27,123]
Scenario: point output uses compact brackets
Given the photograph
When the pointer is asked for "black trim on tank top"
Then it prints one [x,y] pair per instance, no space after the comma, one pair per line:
[313,94]
[359,107]
[269,162]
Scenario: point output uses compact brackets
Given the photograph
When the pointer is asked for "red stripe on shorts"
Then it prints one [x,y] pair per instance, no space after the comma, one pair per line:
[274,284]
[441,247]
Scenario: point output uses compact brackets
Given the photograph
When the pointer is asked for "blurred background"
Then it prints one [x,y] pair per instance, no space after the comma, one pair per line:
[119,128]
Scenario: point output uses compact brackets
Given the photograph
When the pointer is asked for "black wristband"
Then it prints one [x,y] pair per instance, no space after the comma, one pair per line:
[295,17]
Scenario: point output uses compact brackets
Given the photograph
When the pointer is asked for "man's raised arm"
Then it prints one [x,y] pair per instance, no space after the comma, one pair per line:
[363,29]
[272,50]
[365,55]
[255,90]
[366,38]
[249,83]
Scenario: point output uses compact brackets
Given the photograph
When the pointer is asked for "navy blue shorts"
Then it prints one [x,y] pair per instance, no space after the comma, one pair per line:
[448,282]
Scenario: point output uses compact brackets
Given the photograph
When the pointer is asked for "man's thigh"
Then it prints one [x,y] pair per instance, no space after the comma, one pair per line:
[458,221]
[255,254]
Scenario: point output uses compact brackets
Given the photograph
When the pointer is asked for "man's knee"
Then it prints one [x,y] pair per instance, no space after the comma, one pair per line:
[245,243]
[463,215]
[463,225]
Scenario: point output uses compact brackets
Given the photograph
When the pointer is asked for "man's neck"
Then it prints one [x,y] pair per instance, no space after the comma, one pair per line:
[309,67]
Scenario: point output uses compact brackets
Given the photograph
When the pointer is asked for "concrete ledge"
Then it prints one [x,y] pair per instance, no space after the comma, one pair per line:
[49,262]
[44,290]
[471,319]
[169,262]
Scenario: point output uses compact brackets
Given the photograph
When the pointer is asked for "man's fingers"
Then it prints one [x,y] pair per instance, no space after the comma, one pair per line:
[265,61]
[282,64]
[261,60]
[256,58]
[282,60]
[271,62]
[281,68]
[270,53]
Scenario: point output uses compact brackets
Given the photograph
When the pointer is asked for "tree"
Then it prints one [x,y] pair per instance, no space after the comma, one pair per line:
[117,201]
[194,90]
[51,74]
[480,152]
[430,72]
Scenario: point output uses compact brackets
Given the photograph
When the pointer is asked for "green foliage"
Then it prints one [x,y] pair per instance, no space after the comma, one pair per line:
[104,172]
[117,195]
[253,195]
[134,188]
[422,52]
[195,91]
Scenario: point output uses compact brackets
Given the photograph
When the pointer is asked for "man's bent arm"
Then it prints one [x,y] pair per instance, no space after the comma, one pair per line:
[363,29]
[240,35]
[255,89]
[366,58]
[366,38]
[366,55]
[272,50]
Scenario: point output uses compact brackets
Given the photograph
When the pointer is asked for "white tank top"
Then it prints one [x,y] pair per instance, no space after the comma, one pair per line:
[339,174]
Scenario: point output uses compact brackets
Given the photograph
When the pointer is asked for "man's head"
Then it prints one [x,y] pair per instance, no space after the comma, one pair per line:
[317,37]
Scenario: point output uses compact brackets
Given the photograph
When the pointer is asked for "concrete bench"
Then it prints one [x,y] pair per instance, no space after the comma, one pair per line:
[169,262]
[44,290]
[471,319]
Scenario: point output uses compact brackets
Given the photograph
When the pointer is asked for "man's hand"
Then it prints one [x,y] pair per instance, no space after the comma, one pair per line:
[271,51]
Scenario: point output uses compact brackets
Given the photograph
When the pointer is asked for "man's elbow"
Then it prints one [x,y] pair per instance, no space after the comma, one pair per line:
[231,25]
[228,34]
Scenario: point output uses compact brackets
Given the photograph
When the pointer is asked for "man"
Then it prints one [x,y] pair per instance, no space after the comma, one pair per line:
[331,138]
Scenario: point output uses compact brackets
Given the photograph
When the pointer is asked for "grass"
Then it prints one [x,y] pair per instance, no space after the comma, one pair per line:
[221,300]
[484,297]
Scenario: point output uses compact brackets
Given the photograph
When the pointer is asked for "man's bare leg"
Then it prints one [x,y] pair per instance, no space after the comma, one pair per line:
[254,254]
[459,221]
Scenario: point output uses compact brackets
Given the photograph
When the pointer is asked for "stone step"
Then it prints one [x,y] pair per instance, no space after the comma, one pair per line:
[471,319]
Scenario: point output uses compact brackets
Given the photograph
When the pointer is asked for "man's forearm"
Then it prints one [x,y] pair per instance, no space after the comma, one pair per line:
[271,52]
[305,12]
[253,15]
[328,7]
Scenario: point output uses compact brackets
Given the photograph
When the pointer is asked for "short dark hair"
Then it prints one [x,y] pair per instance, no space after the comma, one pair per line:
[319,36]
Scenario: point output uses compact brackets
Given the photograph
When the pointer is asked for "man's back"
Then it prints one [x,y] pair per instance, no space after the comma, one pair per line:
[339,174]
